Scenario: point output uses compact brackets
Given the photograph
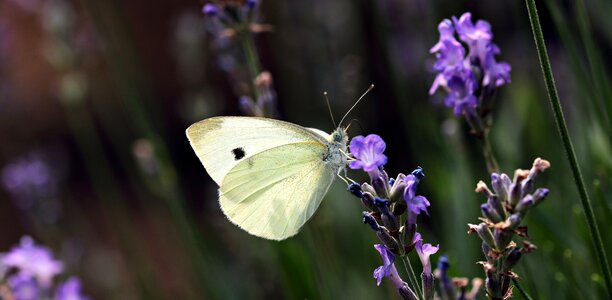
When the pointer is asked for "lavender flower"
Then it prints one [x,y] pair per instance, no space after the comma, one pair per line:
[416,204]
[424,251]
[34,261]
[32,269]
[468,79]
[503,212]
[368,153]
[388,268]
[227,20]
[24,287]
[70,290]
[210,9]
[388,198]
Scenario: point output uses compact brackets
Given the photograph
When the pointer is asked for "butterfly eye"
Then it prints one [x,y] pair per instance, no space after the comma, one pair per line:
[337,137]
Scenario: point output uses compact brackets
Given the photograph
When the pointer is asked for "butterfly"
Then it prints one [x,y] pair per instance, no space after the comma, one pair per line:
[272,175]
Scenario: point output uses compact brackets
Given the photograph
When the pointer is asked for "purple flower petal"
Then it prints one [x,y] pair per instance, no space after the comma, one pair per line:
[32,260]
[70,290]
[368,152]
[387,268]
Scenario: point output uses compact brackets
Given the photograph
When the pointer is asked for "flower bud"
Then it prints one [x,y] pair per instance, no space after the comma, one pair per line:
[355,189]
[427,280]
[498,186]
[369,219]
[389,220]
[484,233]
[380,186]
[539,195]
[502,239]
[524,205]
[490,213]
[511,259]
[515,194]
[368,201]
[496,203]
[406,293]
[408,231]
[387,240]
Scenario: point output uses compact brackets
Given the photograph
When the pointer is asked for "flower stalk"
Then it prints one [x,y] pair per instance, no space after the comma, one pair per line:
[388,199]
[553,97]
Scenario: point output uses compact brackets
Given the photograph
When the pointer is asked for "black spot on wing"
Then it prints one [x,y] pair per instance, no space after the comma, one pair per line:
[238,153]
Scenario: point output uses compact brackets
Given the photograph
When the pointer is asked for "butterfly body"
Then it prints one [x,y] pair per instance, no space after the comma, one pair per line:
[272,175]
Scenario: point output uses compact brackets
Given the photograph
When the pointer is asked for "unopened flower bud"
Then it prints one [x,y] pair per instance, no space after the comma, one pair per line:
[502,239]
[389,220]
[539,195]
[408,231]
[370,220]
[427,280]
[380,186]
[484,233]
[493,285]
[490,213]
[496,203]
[406,293]
[482,187]
[366,187]
[511,259]
[525,204]
[515,194]
[397,188]
[418,173]
[355,189]
[390,242]
[498,187]
[368,200]
[512,222]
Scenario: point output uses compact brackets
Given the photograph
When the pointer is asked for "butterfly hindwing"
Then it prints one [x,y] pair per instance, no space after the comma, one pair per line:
[273,193]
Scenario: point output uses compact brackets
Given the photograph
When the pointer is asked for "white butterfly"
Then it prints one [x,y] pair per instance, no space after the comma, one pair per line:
[272,175]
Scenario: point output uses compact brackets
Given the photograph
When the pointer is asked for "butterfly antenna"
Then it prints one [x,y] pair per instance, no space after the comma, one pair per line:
[357,102]
[329,108]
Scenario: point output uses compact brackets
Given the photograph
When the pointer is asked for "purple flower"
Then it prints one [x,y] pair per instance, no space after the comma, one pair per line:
[461,86]
[465,76]
[32,260]
[368,153]
[477,37]
[495,73]
[451,56]
[210,10]
[424,251]
[447,32]
[388,268]
[415,203]
[23,287]
[70,290]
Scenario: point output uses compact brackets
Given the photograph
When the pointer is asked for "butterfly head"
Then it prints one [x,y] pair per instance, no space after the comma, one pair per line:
[339,136]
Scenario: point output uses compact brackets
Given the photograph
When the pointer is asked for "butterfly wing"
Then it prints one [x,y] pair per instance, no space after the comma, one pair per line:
[223,142]
[273,193]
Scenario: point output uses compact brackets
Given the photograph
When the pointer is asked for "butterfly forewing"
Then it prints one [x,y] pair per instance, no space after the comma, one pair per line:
[273,193]
[223,142]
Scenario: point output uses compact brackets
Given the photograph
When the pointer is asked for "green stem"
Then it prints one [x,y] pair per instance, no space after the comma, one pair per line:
[250,52]
[520,289]
[412,276]
[567,143]
[489,156]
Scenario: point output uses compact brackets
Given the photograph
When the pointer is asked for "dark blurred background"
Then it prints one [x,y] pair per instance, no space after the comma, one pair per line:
[95,97]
